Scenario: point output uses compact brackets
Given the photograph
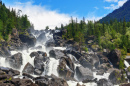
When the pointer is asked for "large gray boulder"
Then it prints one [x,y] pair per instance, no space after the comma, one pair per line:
[15,61]
[30,40]
[84,73]
[28,69]
[104,82]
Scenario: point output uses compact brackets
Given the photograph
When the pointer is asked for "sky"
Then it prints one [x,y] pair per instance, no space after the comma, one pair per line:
[53,13]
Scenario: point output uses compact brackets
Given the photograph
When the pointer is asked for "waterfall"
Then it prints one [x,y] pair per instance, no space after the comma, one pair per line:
[126,63]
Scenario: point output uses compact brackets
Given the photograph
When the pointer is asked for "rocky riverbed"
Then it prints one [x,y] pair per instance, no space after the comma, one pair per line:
[43,58]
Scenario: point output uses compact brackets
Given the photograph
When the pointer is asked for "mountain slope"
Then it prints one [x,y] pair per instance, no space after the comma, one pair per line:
[118,14]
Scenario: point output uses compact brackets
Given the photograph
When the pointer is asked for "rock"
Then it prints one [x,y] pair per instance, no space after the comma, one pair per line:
[57,54]
[15,61]
[34,54]
[40,61]
[79,84]
[88,81]
[104,82]
[74,53]
[93,59]
[28,75]
[105,66]
[30,40]
[4,51]
[84,73]
[66,68]
[41,38]
[28,68]
[22,82]
[128,72]
[116,77]
[9,71]
[126,84]
[50,43]
[43,81]
[114,57]
[100,72]
[85,63]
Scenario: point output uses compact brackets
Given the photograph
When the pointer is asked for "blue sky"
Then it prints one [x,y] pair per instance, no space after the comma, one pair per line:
[90,9]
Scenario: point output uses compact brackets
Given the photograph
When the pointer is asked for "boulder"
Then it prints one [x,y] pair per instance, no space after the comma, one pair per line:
[66,68]
[85,63]
[34,54]
[114,57]
[116,77]
[43,81]
[4,51]
[28,68]
[84,73]
[57,54]
[40,61]
[41,38]
[15,61]
[79,84]
[126,84]
[30,40]
[104,82]
[9,71]
[50,43]
[105,66]
[93,59]
[100,72]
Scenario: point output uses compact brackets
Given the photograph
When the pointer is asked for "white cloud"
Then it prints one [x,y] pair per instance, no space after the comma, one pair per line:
[111,0]
[41,17]
[113,6]
[120,3]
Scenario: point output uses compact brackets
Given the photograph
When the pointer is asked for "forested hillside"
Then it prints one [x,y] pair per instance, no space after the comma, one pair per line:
[115,35]
[119,14]
[10,19]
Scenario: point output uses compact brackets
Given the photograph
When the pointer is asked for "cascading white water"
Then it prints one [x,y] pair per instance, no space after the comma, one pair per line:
[52,66]
[126,63]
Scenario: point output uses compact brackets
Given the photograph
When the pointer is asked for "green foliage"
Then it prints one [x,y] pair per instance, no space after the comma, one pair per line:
[9,20]
[121,64]
[86,49]
[128,69]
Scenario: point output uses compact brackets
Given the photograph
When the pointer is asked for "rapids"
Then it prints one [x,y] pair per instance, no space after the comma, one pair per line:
[51,68]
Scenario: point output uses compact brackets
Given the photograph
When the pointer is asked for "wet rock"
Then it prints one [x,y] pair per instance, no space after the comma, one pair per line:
[114,57]
[15,61]
[84,73]
[50,43]
[30,40]
[79,84]
[34,54]
[41,38]
[117,77]
[40,61]
[104,82]
[85,63]
[100,72]
[28,68]
[105,66]
[93,59]
[126,84]
[9,71]
[28,75]
[4,51]
[57,54]
[66,68]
